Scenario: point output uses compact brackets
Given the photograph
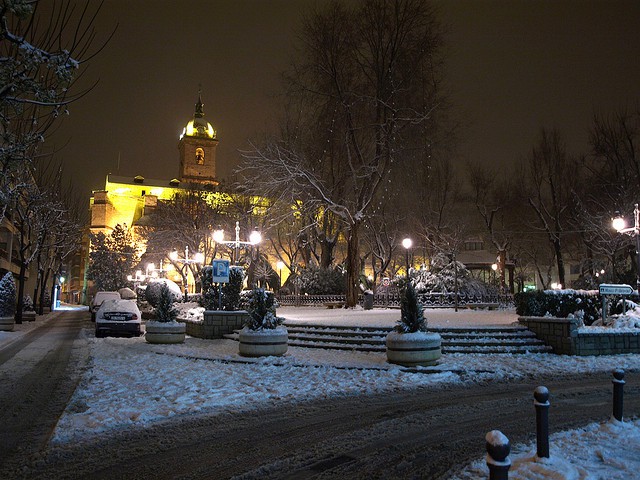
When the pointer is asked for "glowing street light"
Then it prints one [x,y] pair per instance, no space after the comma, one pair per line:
[186,261]
[407,243]
[621,226]
[255,237]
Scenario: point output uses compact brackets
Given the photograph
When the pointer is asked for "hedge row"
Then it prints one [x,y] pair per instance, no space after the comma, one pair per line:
[559,303]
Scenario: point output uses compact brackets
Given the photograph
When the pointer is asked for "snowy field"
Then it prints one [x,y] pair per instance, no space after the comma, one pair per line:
[130,384]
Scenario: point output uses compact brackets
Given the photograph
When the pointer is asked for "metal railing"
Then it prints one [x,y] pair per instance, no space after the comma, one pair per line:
[429,300]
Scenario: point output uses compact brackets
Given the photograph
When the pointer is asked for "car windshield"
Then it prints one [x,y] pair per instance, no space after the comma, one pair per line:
[119,306]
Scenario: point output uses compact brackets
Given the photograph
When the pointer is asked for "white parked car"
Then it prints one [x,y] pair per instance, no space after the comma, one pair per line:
[97,300]
[118,318]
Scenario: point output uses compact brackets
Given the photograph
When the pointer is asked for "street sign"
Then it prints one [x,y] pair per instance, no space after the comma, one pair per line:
[615,289]
[386,282]
[220,271]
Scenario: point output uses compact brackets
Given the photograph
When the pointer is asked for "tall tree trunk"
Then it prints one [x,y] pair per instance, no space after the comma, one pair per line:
[23,272]
[502,266]
[353,265]
[559,263]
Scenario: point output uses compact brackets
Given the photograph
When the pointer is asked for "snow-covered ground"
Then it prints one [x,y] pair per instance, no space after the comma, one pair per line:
[130,384]
[598,451]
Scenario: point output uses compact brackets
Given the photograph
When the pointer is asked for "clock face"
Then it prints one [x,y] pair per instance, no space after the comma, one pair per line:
[199,156]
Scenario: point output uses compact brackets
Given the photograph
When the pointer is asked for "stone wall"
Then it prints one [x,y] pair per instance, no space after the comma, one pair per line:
[216,323]
[563,336]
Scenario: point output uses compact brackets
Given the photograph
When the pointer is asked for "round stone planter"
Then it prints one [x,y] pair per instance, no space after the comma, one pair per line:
[28,316]
[7,323]
[262,343]
[412,349]
[164,332]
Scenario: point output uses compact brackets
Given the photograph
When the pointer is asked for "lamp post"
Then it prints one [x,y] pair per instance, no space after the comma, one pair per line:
[620,225]
[254,238]
[407,243]
[280,266]
[62,280]
[186,261]
[154,272]
[136,279]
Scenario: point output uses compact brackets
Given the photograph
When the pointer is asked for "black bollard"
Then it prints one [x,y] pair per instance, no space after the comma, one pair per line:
[498,461]
[618,393]
[541,402]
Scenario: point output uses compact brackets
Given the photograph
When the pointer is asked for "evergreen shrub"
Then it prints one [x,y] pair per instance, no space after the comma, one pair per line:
[154,289]
[261,306]
[27,304]
[165,310]
[585,304]
[231,300]
[7,296]
[322,281]
[411,313]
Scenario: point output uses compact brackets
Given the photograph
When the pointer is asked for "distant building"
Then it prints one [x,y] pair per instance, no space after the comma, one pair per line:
[132,200]
[126,200]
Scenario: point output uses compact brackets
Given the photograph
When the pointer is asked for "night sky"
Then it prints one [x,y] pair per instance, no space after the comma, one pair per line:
[512,68]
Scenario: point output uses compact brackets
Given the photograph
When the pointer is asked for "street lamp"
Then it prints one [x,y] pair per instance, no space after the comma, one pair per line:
[280,266]
[621,226]
[186,261]
[254,238]
[407,243]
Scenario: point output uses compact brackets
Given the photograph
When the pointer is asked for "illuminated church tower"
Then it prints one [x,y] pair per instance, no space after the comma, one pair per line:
[197,149]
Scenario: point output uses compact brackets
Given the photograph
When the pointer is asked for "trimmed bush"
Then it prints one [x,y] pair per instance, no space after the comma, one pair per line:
[559,303]
[165,310]
[261,305]
[231,300]
[322,281]
[7,296]
[411,313]
[27,304]
[153,290]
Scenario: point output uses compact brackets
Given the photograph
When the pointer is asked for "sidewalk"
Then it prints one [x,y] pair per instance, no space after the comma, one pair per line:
[21,329]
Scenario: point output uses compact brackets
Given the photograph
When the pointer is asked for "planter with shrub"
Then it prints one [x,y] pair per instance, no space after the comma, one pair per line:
[410,344]
[7,302]
[164,328]
[263,334]
[223,311]
[28,312]
[583,305]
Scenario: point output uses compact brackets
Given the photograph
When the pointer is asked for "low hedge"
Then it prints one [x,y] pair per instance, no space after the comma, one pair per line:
[559,303]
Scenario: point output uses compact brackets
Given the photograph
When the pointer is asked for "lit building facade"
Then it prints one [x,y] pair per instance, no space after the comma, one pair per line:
[131,200]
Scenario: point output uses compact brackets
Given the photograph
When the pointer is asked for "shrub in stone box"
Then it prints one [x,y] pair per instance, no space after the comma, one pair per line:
[584,304]
[230,291]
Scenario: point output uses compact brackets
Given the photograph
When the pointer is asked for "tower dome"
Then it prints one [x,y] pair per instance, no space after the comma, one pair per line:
[199,127]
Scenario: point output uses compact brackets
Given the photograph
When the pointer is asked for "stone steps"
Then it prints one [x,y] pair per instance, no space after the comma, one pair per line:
[507,340]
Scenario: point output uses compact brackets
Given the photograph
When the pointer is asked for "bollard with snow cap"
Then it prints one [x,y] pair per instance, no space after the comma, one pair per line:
[541,402]
[618,393]
[498,449]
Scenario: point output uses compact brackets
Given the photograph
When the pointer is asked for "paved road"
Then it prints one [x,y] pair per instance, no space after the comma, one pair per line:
[38,374]
[416,434]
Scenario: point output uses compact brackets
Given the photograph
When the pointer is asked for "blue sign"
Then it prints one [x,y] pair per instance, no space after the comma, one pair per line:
[615,289]
[220,271]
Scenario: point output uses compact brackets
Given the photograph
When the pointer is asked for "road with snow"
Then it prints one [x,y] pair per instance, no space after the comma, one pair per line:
[404,434]
[38,374]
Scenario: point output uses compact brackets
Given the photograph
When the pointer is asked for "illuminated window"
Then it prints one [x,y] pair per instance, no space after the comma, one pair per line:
[199,156]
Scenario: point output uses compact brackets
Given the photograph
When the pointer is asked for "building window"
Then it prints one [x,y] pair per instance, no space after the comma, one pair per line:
[199,156]
[473,246]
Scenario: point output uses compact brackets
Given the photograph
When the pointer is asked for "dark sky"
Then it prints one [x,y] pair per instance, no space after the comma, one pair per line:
[512,67]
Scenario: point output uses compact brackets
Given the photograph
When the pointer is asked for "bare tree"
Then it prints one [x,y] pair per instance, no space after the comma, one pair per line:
[367,79]
[551,174]
[187,221]
[40,56]
[492,196]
